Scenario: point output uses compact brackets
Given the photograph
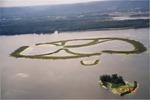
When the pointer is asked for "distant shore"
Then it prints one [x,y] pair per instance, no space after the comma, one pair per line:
[17,27]
[103,29]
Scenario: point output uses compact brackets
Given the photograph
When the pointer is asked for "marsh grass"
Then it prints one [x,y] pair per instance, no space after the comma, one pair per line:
[138,48]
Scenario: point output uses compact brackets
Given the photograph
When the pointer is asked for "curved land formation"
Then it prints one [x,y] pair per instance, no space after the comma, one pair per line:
[117,85]
[89,62]
[138,48]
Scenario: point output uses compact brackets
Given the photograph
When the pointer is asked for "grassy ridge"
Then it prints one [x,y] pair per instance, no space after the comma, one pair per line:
[138,48]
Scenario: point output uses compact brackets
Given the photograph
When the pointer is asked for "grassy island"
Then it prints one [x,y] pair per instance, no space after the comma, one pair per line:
[89,63]
[138,48]
[117,85]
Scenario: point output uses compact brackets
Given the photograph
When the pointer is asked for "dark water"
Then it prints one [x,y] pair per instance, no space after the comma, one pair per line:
[23,78]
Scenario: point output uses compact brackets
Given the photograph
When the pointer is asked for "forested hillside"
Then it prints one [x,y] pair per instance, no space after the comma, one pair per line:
[73,17]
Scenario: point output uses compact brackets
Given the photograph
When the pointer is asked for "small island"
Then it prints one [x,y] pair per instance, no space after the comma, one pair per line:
[117,85]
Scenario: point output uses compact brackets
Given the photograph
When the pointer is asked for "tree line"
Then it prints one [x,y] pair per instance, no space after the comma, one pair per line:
[28,26]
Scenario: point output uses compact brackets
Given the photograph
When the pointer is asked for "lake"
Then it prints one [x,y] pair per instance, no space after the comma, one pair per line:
[25,78]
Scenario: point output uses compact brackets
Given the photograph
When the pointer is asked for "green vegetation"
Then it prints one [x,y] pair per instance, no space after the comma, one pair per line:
[73,17]
[43,56]
[130,89]
[114,80]
[89,63]
[17,52]
[138,48]
[28,26]
[117,85]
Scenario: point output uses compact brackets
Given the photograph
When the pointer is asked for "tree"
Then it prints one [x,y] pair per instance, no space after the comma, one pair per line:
[112,79]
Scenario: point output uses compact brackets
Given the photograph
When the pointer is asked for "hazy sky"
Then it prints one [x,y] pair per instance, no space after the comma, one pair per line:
[7,3]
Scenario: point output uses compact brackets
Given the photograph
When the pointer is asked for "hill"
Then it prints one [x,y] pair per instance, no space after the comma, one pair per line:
[73,17]
[80,8]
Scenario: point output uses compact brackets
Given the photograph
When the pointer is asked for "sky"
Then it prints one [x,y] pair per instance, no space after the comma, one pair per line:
[14,3]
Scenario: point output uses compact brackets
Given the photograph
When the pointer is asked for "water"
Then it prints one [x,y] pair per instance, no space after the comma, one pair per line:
[23,78]
[129,18]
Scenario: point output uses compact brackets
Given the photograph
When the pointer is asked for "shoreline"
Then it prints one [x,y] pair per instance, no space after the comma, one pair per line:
[103,29]
[128,90]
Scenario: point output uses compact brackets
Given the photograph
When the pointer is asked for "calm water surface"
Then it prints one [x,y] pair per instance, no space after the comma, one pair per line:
[23,78]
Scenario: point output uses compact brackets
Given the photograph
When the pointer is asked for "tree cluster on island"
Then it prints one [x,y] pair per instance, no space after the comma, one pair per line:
[112,79]
[117,81]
